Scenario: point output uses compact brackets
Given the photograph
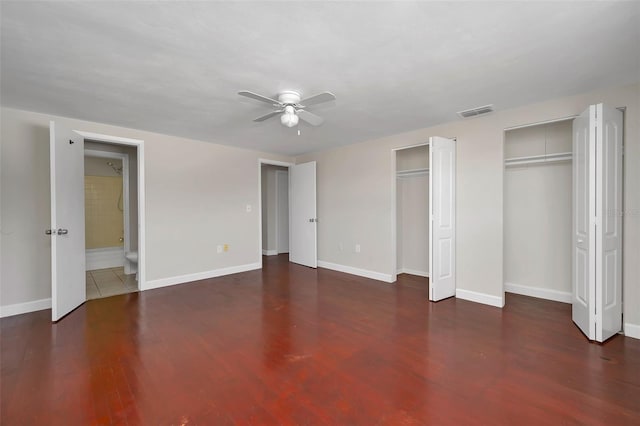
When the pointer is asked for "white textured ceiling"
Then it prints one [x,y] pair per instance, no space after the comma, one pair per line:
[175,67]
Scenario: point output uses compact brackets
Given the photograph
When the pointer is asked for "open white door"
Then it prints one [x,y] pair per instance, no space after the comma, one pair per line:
[583,223]
[609,223]
[597,226]
[442,226]
[68,289]
[302,198]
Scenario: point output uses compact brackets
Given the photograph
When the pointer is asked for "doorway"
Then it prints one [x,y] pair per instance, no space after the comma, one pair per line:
[297,185]
[111,223]
[274,209]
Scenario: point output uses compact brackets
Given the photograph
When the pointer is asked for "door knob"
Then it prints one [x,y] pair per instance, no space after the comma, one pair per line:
[62,231]
[49,232]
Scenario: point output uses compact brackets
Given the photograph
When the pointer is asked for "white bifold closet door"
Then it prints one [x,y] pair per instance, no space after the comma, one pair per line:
[597,222]
[442,224]
[68,287]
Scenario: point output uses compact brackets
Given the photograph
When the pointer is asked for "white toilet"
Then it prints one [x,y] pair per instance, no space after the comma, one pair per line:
[132,257]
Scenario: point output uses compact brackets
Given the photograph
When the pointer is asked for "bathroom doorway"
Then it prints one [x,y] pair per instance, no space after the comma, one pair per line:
[111,200]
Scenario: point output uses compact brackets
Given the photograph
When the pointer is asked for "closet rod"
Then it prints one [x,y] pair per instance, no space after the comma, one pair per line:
[536,159]
[412,172]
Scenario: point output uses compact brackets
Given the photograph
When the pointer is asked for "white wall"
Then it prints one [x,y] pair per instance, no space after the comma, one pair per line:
[196,197]
[355,194]
[538,213]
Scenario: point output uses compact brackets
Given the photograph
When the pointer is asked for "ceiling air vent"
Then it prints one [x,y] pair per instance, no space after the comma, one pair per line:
[476,111]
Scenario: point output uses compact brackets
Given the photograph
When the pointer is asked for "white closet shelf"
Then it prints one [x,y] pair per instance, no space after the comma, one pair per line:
[412,172]
[536,159]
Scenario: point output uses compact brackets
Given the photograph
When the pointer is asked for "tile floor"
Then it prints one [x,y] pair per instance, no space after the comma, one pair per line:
[109,282]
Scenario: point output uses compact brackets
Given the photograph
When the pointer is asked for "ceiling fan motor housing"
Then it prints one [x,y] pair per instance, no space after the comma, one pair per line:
[289,97]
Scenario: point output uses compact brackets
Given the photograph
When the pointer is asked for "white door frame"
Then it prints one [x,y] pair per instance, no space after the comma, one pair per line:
[125,195]
[261,162]
[139,144]
[394,208]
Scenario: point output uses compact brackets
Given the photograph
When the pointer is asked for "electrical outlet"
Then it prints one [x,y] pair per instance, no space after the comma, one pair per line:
[219,249]
[357,248]
[226,248]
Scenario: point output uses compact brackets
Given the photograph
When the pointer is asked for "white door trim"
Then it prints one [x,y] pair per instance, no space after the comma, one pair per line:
[125,195]
[394,209]
[139,144]
[264,161]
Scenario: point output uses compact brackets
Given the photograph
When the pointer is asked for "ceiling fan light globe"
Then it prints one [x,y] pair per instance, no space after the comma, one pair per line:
[289,120]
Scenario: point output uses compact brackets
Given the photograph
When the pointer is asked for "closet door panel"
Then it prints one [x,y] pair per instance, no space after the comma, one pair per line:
[609,231]
[583,163]
[442,280]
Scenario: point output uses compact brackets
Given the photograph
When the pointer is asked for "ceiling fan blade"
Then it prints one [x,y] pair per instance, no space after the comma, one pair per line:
[271,114]
[258,97]
[314,120]
[318,99]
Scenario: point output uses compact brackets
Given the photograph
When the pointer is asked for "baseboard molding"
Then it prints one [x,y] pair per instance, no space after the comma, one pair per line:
[413,272]
[24,308]
[632,330]
[108,257]
[541,293]
[355,271]
[269,252]
[182,279]
[485,299]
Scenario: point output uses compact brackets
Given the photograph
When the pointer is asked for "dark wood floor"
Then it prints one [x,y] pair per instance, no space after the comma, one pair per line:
[292,345]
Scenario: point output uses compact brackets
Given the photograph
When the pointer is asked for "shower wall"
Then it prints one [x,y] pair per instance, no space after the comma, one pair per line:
[104,219]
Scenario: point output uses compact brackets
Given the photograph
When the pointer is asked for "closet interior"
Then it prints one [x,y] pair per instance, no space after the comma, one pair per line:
[412,210]
[538,210]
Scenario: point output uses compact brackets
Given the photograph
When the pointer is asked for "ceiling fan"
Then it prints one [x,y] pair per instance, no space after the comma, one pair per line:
[291,107]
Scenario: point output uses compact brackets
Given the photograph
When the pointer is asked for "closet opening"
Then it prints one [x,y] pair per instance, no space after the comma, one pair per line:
[538,193]
[412,213]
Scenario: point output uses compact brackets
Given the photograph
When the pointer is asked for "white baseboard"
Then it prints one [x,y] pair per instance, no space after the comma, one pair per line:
[181,279]
[413,272]
[355,271]
[269,252]
[107,257]
[632,330]
[541,293]
[23,308]
[474,296]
